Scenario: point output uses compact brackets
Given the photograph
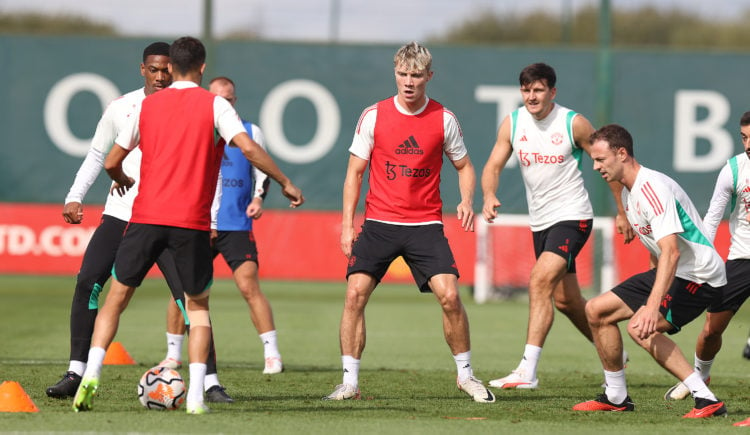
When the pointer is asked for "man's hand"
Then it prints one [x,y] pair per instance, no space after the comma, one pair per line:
[73,213]
[122,187]
[489,209]
[624,228]
[466,216]
[294,194]
[255,209]
[644,321]
[348,235]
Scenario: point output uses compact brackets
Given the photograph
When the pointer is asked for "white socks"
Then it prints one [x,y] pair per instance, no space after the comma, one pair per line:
[351,370]
[270,348]
[77,367]
[463,365]
[174,346]
[209,381]
[697,387]
[616,389]
[195,389]
[703,367]
[96,360]
[530,360]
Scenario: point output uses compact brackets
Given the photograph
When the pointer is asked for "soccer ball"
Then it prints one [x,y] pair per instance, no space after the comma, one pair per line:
[161,388]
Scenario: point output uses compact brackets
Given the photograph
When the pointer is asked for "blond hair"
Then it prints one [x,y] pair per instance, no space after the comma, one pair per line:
[413,56]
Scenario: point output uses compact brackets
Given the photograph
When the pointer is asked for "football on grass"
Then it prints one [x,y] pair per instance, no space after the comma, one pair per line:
[161,388]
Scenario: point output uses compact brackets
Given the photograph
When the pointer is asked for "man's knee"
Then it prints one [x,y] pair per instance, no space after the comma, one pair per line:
[199,317]
[716,324]
[358,290]
[594,311]
[567,304]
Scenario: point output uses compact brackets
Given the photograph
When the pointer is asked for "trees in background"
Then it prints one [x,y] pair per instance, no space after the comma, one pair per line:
[646,26]
[39,24]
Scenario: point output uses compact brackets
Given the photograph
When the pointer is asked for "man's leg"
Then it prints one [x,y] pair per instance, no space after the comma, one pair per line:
[455,321]
[604,312]
[710,339]
[568,300]
[546,275]
[199,344]
[105,329]
[175,335]
[706,347]
[94,273]
[456,330]
[352,333]
[246,278]
[668,355]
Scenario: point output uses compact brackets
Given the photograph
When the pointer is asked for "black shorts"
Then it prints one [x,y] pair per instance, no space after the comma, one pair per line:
[236,247]
[424,248]
[565,239]
[142,244]
[737,289]
[684,301]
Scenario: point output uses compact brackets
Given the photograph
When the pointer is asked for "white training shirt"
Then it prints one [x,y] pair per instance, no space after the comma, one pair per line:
[113,120]
[550,165]
[657,207]
[732,186]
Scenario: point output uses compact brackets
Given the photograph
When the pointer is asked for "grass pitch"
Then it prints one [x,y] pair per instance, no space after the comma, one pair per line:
[407,375]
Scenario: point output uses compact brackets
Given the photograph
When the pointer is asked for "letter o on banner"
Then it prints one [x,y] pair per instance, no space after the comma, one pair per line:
[326,131]
[56,109]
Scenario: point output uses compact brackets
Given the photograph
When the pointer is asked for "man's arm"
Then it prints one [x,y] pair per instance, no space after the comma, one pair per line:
[352,187]
[723,191]
[113,166]
[260,158]
[92,165]
[467,182]
[497,160]
[261,182]
[645,321]
[85,177]
[582,131]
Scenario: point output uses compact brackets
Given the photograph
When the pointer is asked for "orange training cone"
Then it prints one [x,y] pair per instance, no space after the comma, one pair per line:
[14,399]
[117,355]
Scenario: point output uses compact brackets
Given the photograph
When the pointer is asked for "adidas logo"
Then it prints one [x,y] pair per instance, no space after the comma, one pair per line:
[409,146]
[523,139]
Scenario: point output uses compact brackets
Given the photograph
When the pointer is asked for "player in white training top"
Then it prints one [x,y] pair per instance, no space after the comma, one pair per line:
[549,141]
[733,189]
[100,252]
[688,277]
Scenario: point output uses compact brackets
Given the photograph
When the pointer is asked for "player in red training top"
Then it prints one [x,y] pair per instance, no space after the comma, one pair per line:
[179,168]
[404,138]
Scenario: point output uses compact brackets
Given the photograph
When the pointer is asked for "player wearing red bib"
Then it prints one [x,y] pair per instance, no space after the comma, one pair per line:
[179,169]
[403,140]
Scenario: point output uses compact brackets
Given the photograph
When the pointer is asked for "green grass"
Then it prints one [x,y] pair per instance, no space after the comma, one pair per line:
[407,375]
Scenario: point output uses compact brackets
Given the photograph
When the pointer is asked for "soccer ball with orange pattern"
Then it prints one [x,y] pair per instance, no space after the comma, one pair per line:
[161,388]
